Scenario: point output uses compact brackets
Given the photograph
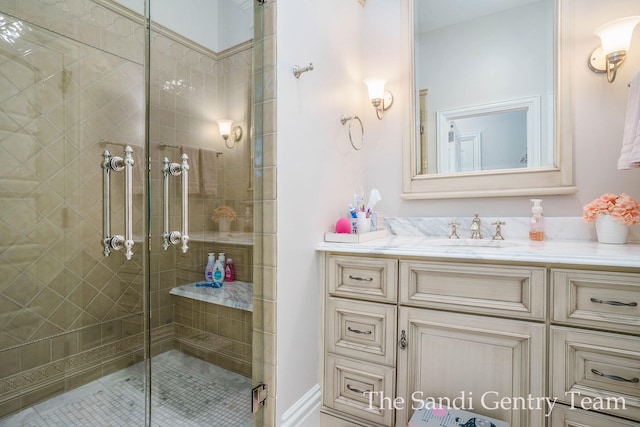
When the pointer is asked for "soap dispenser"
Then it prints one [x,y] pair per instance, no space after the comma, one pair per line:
[536,222]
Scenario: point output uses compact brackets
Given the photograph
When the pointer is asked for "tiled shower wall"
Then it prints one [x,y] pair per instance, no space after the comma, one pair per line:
[215,333]
[265,246]
[67,314]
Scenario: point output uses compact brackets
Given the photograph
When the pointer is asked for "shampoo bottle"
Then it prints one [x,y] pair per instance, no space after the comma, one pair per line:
[208,271]
[218,272]
[229,271]
[536,222]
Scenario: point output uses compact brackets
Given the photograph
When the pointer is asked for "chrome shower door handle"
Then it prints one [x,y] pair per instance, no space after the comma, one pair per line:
[185,202]
[116,164]
[106,203]
[169,237]
[128,202]
[169,170]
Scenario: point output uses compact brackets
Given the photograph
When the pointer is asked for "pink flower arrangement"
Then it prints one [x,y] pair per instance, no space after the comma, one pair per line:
[622,207]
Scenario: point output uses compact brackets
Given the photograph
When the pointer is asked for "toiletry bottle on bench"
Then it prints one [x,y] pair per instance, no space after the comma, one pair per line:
[208,271]
[229,271]
[218,272]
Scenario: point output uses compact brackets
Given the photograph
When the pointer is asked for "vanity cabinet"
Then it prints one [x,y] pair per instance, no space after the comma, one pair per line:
[411,329]
[487,335]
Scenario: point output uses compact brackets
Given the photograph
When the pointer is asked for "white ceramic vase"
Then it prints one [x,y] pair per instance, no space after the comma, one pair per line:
[611,231]
[224,224]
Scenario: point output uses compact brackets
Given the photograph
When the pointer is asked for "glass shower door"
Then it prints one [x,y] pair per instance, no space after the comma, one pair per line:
[116,185]
[71,318]
[201,65]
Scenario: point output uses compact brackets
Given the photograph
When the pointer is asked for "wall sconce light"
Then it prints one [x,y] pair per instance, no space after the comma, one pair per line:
[226,131]
[615,37]
[380,98]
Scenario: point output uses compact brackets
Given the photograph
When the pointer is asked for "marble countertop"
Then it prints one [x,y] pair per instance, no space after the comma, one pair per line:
[578,252]
[568,240]
[236,294]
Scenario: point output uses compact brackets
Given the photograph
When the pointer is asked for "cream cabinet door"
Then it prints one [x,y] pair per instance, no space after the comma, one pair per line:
[493,367]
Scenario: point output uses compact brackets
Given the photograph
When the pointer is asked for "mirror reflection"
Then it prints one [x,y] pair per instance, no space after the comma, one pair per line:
[484,85]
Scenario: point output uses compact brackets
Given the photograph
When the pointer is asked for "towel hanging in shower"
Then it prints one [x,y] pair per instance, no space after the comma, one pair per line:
[209,172]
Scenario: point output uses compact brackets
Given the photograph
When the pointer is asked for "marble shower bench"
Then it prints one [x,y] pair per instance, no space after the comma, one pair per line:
[236,294]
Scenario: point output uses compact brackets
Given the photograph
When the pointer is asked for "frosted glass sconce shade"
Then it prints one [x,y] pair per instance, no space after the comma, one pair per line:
[615,38]
[376,88]
[616,35]
[381,99]
[225,130]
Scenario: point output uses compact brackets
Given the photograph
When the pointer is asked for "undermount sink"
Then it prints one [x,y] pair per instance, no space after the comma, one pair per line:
[483,243]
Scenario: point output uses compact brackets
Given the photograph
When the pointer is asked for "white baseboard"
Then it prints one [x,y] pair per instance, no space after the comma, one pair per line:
[305,409]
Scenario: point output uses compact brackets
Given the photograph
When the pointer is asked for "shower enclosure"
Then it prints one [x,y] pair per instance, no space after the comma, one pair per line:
[115,183]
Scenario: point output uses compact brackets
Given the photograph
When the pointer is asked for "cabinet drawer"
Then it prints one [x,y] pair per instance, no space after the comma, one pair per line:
[347,382]
[566,417]
[598,370]
[596,299]
[373,279]
[365,331]
[499,290]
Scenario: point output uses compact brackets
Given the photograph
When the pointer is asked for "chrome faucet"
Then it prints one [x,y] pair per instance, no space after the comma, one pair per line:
[475,228]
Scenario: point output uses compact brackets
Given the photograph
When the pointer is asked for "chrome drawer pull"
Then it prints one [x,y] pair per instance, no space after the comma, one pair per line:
[355,390]
[358,331]
[615,377]
[362,279]
[616,303]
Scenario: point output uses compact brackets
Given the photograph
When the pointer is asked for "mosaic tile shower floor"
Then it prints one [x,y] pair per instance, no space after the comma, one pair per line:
[185,392]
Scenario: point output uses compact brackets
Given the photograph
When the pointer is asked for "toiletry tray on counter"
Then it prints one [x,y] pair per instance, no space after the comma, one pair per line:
[355,238]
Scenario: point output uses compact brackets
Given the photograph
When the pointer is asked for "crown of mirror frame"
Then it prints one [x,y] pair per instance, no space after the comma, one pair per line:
[225,130]
[615,38]
[381,99]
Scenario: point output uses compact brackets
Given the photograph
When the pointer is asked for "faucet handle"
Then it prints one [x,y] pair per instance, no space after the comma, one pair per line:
[454,234]
[476,233]
[498,235]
